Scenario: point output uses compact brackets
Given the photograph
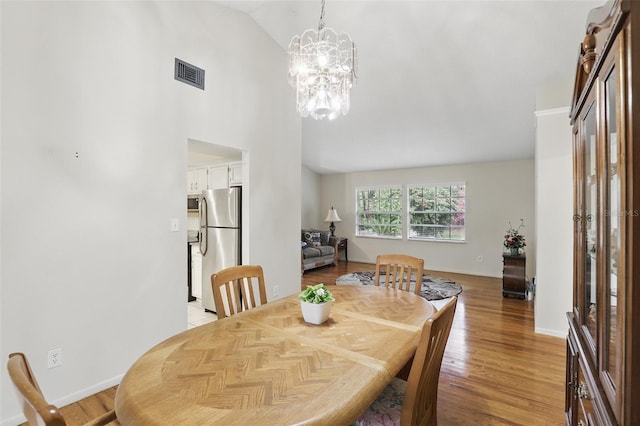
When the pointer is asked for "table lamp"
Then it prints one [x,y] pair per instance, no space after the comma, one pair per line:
[332,216]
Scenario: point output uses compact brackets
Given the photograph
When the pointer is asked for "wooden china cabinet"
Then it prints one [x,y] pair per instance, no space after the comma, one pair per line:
[603,345]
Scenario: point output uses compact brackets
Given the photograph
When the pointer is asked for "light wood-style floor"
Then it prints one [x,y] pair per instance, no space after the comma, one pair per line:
[495,371]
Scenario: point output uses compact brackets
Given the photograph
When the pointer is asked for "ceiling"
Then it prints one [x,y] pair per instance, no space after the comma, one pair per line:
[202,154]
[440,82]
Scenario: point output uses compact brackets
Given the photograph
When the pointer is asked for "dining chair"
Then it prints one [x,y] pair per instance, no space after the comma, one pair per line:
[415,401]
[35,408]
[397,270]
[234,289]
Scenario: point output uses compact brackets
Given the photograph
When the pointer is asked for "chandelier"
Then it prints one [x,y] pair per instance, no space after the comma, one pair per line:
[322,69]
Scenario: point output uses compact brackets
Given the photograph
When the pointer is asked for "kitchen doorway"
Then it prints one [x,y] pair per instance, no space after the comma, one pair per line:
[209,166]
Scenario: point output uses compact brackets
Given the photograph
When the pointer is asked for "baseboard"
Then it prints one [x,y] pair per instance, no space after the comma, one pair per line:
[69,399]
[553,333]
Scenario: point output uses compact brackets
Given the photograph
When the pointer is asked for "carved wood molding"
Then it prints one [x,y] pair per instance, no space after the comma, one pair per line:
[588,57]
[603,23]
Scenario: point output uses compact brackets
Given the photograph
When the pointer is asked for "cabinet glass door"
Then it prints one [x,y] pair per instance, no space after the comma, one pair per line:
[614,216]
[589,222]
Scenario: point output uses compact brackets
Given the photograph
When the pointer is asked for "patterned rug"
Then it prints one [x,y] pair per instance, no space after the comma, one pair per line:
[433,288]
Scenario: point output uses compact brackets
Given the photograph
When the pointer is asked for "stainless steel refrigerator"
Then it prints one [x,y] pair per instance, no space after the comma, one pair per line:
[220,235]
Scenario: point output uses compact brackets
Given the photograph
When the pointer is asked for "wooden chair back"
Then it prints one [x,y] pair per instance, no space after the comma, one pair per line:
[421,396]
[398,269]
[235,288]
[35,408]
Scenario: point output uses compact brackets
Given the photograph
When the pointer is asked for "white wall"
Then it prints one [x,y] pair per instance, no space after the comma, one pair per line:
[311,211]
[554,224]
[94,155]
[554,94]
[497,193]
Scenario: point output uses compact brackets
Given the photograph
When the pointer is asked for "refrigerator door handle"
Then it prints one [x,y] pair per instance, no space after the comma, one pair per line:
[204,235]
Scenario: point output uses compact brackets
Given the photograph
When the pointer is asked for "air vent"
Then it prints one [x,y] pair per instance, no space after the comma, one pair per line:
[189,74]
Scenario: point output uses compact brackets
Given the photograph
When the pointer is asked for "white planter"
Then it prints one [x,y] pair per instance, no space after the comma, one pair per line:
[315,313]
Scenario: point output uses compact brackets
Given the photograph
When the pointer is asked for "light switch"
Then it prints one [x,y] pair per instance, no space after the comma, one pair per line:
[175,224]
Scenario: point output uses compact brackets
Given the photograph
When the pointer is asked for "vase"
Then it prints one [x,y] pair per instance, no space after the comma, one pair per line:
[315,313]
[514,251]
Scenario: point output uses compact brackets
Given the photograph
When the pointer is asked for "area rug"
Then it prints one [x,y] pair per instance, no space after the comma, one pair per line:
[433,288]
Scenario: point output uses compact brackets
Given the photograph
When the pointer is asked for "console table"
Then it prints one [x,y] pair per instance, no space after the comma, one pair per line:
[514,280]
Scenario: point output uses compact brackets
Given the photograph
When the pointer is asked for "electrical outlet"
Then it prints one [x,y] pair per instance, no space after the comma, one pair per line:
[54,358]
[175,224]
[480,259]
[276,290]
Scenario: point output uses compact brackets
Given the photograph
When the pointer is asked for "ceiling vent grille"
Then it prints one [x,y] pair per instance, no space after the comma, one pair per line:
[189,74]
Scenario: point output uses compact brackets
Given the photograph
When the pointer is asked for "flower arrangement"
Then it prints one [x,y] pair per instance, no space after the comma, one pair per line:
[316,294]
[513,239]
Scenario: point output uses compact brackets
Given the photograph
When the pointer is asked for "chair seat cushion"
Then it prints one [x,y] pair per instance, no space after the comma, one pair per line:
[309,252]
[326,250]
[386,409]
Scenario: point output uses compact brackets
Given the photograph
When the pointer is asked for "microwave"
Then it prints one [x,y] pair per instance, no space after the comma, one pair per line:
[193,202]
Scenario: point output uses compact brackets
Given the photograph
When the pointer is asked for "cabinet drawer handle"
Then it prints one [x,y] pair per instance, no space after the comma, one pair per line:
[582,391]
[577,218]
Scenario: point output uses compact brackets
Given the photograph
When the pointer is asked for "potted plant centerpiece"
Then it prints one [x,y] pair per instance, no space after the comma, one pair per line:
[315,303]
[513,240]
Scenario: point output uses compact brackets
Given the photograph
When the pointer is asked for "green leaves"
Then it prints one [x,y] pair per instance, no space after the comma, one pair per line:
[316,294]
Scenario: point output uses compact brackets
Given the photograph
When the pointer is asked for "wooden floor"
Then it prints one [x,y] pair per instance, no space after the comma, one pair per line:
[495,371]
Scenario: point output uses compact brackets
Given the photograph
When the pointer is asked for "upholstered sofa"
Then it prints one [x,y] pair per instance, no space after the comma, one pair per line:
[319,248]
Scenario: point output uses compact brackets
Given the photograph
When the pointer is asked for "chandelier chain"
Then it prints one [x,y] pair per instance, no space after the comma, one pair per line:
[321,22]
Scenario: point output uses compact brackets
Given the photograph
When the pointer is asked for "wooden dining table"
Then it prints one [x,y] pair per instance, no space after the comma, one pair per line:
[267,366]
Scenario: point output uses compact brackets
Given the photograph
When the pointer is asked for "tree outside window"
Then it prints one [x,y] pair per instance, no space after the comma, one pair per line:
[379,212]
[436,212]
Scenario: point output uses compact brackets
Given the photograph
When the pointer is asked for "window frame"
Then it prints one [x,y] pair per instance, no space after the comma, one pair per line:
[400,214]
[450,226]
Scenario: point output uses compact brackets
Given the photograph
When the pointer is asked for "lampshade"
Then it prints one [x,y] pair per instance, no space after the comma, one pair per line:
[332,216]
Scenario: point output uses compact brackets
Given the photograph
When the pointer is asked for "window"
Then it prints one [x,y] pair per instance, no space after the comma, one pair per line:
[436,212]
[379,212]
